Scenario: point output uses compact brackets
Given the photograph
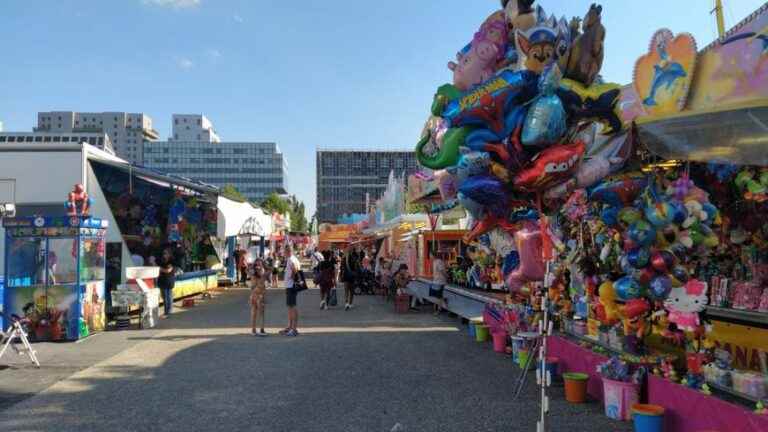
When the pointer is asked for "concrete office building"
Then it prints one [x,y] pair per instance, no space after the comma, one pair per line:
[127,131]
[96,139]
[347,178]
[256,169]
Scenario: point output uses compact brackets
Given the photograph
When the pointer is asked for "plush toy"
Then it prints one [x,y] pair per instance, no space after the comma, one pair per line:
[607,311]
[685,303]
[78,202]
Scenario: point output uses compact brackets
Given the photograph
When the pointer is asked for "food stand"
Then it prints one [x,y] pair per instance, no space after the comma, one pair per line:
[55,268]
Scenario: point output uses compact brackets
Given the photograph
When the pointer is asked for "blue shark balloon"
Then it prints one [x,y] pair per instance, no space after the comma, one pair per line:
[545,122]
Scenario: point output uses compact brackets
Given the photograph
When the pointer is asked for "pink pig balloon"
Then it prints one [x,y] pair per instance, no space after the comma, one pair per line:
[475,66]
[529,244]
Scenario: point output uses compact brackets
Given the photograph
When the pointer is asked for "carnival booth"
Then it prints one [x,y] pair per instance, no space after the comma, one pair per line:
[146,210]
[633,213]
[55,274]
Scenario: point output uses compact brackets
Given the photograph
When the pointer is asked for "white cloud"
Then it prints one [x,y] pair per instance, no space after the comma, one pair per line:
[238,18]
[185,63]
[213,54]
[175,4]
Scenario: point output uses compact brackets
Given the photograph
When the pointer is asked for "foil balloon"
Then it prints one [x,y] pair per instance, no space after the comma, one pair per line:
[475,209]
[439,147]
[529,247]
[471,164]
[627,288]
[642,233]
[680,273]
[487,191]
[638,258]
[511,262]
[488,104]
[545,121]
[478,59]
[659,214]
[618,190]
[629,215]
[598,102]
[662,261]
[550,167]
[591,171]
[446,184]
[660,287]
[645,276]
[610,216]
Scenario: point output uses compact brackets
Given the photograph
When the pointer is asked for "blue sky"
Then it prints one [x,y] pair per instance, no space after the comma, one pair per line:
[307,74]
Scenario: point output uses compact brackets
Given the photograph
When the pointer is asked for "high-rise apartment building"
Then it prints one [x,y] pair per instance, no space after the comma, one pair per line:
[346,179]
[256,169]
[96,139]
[193,127]
[127,131]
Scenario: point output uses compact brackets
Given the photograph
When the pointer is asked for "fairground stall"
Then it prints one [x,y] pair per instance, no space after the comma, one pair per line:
[55,273]
[635,213]
[146,211]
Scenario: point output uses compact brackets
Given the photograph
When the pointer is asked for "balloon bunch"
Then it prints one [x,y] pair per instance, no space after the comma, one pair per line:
[526,120]
[647,232]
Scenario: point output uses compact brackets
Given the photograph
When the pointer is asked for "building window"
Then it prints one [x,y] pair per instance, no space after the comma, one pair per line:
[11,139]
[47,139]
[38,139]
[29,139]
[65,139]
[198,122]
[175,136]
[2,139]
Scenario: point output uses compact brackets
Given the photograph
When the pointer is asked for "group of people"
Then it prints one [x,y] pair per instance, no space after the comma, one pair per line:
[331,269]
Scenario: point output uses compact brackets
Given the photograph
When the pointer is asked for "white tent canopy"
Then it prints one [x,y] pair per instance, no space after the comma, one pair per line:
[241,218]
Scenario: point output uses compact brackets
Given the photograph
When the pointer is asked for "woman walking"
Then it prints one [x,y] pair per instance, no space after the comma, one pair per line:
[258,285]
[326,278]
[166,281]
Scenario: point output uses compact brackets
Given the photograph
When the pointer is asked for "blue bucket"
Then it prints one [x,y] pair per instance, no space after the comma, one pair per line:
[648,418]
[471,326]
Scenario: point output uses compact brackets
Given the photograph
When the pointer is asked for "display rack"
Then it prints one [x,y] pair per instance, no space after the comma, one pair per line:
[731,392]
[752,317]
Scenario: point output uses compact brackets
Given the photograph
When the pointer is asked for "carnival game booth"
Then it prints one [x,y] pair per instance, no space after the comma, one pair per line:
[145,210]
[55,273]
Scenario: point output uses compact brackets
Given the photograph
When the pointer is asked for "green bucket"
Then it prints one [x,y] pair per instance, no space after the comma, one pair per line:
[482,334]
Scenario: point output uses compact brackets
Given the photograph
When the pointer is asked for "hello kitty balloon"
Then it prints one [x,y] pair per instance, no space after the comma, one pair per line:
[685,303]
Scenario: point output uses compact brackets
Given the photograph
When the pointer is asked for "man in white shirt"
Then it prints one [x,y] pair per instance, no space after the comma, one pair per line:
[292,266]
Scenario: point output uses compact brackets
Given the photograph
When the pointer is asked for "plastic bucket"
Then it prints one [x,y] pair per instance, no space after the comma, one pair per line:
[618,398]
[500,342]
[552,363]
[471,326]
[575,387]
[648,418]
[481,333]
[522,358]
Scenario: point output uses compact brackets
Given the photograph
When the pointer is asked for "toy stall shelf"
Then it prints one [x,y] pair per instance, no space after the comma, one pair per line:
[55,269]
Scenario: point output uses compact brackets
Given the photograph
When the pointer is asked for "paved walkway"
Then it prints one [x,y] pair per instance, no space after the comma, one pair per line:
[363,370]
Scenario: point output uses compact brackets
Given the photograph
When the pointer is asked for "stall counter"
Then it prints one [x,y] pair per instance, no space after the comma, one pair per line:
[191,283]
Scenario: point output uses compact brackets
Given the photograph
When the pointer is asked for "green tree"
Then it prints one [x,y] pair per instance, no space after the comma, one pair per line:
[274,204]
[299,221]
[230,191]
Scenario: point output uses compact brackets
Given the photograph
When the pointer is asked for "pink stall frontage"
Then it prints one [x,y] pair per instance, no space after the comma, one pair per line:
[574,358]
[687,410]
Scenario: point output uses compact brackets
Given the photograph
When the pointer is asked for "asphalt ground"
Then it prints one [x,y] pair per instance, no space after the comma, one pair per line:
[368,369]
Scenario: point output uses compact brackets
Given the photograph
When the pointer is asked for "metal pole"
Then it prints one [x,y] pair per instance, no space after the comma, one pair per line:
[720,19]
